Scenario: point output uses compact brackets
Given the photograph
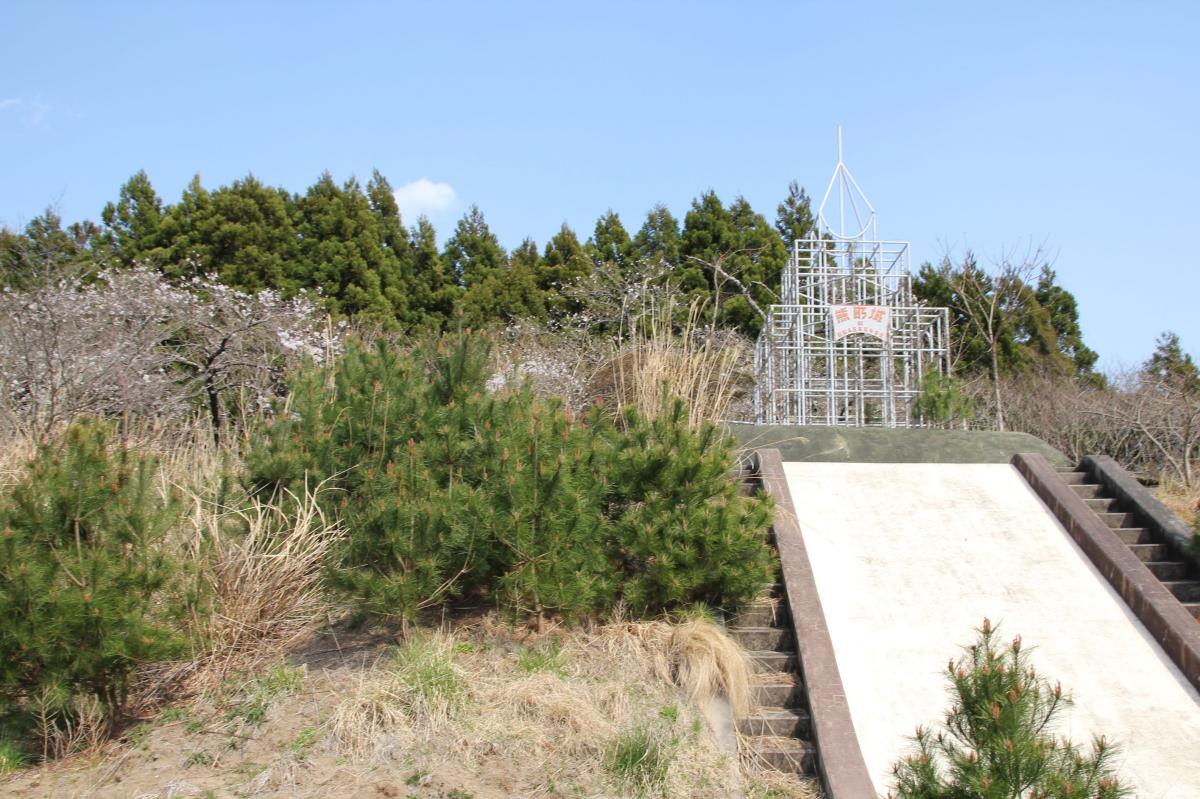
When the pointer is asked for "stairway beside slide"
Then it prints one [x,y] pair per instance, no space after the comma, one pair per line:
[778,726]
[1175,573]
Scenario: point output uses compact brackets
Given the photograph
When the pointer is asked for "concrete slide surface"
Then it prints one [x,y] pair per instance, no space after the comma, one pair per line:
[909,559]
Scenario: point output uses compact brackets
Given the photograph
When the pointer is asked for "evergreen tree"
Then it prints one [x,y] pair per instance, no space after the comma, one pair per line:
[794,216]
[131,224]
[44,251]
[512,293]
[343,250]
[473,253]
[563,263]
[708,234]
[242,233]
[730,254]
[998,743]
[658,240]
[610,244]
[434,295]
[1169,363]
[397,251]
[757,264]
[676,513]
[81,602]
[1063,316]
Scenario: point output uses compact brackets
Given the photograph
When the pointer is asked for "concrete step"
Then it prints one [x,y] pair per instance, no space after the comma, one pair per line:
[1115,520]
[1168,569]
[781,689]
[767,613]
[789,755]
[762,638]
[776,721]
[1184,590]
[1149,552]
[1087,490]
[773,662]
[1134,535]
[1101,504]
[1075,478]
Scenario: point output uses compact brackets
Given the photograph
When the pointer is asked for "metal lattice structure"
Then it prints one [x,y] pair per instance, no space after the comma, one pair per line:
[849,344]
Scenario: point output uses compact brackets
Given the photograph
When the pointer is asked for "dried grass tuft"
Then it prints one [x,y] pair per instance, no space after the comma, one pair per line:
[266,583]
[662,360]
[416,690]
[369,715]
[695,655]
[262,566]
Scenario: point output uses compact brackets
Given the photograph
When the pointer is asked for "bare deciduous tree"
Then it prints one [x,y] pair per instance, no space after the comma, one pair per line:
[129,342]
[992,303]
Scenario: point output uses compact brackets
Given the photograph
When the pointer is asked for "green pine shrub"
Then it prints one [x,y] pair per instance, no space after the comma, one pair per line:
[998,742]
[448,490]
[82,573]
[682,531]
[944,401]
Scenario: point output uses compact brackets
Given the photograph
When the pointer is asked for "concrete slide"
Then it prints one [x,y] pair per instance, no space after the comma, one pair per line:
[909,559]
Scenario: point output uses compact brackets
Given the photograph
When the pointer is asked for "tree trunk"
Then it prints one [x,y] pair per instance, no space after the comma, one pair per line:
[996,389]
[214,407]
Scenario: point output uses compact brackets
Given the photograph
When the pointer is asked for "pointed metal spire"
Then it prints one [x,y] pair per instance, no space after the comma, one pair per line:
[848,191]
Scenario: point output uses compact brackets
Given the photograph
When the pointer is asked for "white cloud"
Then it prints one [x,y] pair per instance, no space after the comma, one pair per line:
[423,196]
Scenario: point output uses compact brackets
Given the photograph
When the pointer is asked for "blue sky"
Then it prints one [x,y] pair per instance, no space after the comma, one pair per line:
[1067,126]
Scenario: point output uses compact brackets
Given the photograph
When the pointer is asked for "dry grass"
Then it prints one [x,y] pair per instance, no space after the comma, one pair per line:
[488,710]
[695,655]
[261,570]
[660,361]
[1183,500]
[266,582]
[565,713]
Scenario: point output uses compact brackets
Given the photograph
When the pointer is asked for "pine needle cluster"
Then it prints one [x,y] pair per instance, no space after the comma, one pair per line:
[997,742]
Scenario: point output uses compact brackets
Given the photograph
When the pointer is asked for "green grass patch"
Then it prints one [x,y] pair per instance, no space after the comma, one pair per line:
[639,759]
[427,670]
[304,741]
[543,657]
[11,757]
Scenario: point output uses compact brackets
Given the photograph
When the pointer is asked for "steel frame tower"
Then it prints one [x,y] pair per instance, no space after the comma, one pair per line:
[848,344]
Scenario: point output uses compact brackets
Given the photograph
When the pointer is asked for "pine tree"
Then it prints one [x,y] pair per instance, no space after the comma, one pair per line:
[998,742]
[132,222]
[794,217]
[1063,316]
[682,531]
[1169,363]
[43,252]
[81,602]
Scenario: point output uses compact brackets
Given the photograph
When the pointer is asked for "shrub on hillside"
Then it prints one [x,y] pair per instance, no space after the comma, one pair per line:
[81,575]
[446,489]
[998,741]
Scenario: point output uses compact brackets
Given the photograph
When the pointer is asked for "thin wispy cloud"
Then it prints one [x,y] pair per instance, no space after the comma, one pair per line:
[424,196]
[29,112]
